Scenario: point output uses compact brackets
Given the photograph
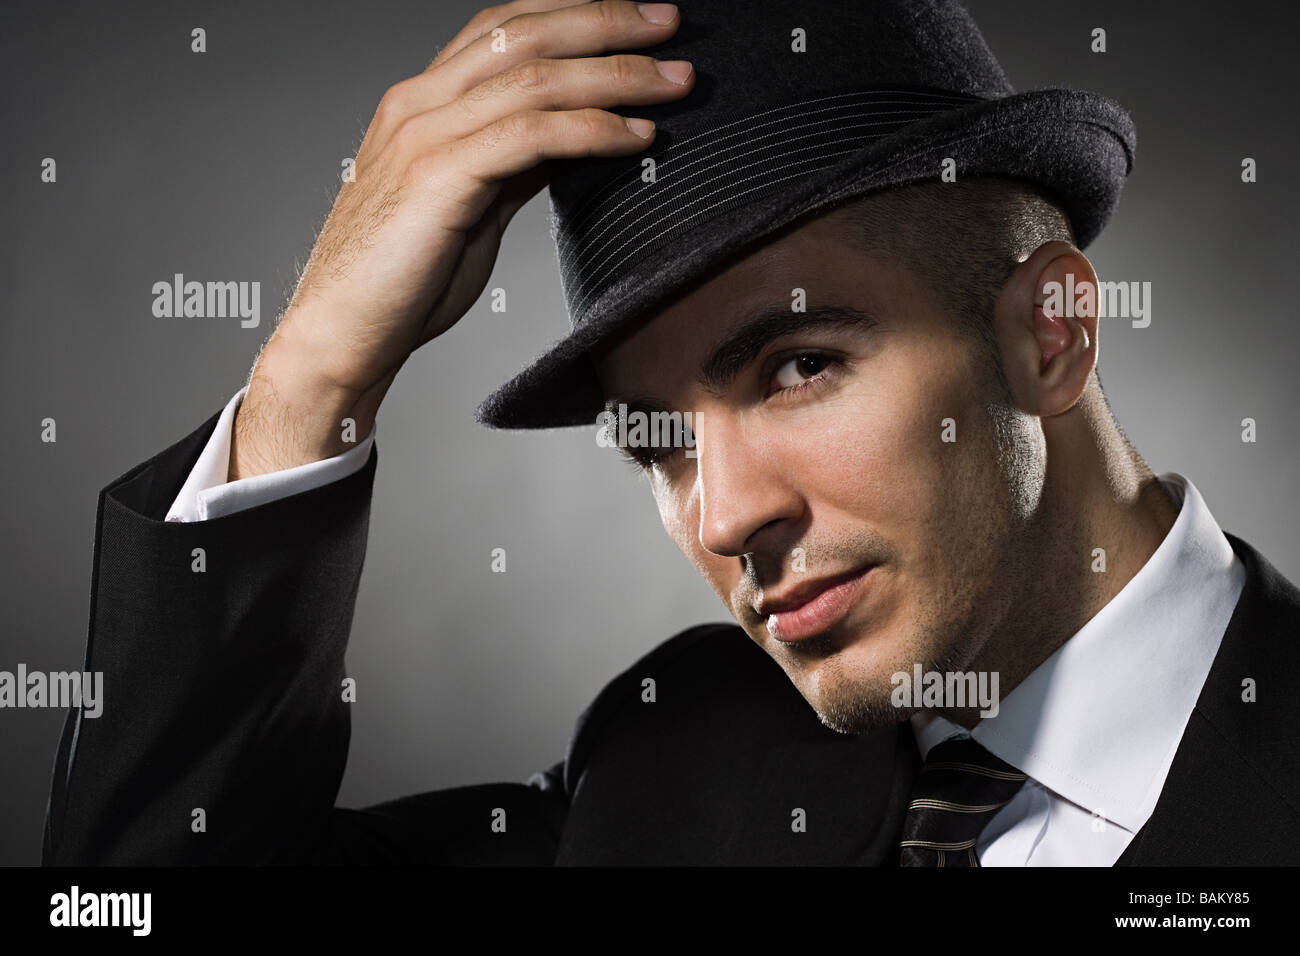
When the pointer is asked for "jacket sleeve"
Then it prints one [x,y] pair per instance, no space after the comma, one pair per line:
[205,493]
[222,733]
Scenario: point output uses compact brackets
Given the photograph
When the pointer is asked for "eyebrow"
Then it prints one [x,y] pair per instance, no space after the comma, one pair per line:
[729,357]
[743,344]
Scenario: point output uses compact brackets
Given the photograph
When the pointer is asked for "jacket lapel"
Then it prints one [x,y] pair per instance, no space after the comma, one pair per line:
[1231,795]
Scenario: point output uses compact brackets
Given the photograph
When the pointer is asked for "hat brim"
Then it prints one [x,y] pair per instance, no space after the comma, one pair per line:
[1077,146]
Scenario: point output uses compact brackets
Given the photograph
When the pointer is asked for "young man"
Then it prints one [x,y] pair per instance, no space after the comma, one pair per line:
[843,255]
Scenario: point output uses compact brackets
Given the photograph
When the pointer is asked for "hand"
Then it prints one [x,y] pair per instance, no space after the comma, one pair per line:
[449,158]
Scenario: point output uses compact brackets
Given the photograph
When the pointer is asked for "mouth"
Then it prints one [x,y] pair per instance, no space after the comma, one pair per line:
[814,606]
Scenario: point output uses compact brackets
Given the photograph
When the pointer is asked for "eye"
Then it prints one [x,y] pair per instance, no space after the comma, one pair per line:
[800,371]
[643,459]
[646,457]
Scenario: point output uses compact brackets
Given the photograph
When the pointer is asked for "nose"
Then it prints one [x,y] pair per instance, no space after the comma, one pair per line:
[745,494]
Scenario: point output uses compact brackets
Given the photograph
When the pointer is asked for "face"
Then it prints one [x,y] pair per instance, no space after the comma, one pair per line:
[861,490]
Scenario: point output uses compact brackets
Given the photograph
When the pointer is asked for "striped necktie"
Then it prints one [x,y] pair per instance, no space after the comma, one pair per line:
[959,789]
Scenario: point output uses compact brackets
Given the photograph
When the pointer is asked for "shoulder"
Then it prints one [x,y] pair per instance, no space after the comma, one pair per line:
[696,654]
[1268,611]
[716,657]
[706,679]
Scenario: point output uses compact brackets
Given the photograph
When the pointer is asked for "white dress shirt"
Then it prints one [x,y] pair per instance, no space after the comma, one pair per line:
[1095,726]
[206,493]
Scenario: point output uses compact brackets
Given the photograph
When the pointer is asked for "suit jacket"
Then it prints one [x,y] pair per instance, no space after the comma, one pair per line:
[222,694]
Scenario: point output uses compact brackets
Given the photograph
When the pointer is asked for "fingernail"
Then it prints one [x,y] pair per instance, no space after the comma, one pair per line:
[642,127]
[679,71]
[658,12]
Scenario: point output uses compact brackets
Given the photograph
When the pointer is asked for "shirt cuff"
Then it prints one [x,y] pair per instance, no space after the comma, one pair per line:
[207,494]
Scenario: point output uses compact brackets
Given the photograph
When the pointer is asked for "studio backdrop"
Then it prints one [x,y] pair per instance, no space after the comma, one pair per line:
[130,158]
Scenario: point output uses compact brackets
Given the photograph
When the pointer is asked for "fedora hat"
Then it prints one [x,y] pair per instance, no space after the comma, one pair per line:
[798,106]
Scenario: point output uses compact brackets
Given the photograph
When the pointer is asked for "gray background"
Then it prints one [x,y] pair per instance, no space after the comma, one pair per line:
[222,166]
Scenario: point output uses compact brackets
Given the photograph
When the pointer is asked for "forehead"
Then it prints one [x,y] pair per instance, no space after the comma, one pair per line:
[813,256]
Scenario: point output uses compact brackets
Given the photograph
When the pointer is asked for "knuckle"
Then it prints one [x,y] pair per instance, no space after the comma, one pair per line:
[514,30]
[521,125]
[531,76]
[593,123]
[484,19]
[627,68]
[608,16]
[467,104]
[393,102]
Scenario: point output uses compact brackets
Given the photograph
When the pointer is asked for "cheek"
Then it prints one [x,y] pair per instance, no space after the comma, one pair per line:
[678,511]
[876,452]
[680,516]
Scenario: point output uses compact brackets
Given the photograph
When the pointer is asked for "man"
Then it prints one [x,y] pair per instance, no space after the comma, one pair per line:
[844,256]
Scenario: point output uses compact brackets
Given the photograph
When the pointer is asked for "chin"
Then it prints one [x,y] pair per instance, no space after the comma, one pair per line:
[853,707]
[849,686]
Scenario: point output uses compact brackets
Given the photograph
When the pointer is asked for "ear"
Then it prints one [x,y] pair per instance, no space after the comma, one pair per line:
[1046,321]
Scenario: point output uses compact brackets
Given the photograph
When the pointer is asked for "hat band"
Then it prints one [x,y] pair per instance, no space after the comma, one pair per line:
[707,174]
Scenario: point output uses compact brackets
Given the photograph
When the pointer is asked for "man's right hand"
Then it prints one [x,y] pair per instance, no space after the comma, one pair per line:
[450,156]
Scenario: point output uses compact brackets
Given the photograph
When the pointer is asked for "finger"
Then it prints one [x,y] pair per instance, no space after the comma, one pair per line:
[625,78]
[519,142]
[487,19]
[577,31]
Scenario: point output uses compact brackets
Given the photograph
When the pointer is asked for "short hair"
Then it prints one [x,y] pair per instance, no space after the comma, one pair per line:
[961,239]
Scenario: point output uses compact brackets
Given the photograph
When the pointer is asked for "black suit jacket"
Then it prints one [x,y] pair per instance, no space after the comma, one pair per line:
[222,694]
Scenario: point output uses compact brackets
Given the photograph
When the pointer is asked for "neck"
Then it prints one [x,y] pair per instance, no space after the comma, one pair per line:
[1098,494]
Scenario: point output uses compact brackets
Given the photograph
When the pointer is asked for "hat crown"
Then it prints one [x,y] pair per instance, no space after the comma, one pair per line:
[746,59]
[751,60]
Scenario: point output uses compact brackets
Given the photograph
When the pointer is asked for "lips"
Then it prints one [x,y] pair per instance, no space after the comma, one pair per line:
[814,606]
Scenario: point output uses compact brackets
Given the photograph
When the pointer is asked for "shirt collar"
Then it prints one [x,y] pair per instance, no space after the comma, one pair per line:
[1098,722]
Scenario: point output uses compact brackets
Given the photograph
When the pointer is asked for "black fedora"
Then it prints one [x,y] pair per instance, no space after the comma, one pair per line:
[879,95]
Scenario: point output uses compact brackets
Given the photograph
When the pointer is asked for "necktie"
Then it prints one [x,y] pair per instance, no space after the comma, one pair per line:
[958,790]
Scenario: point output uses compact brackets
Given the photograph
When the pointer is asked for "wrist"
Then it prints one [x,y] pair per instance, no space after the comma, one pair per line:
[290,416]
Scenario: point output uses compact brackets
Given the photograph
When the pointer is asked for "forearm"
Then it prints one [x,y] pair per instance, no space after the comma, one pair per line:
[293,414]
